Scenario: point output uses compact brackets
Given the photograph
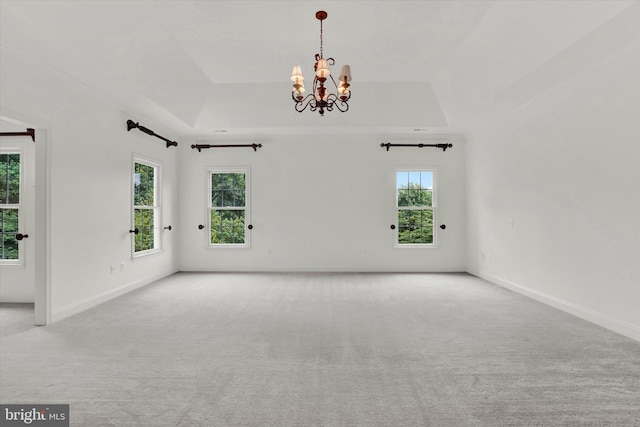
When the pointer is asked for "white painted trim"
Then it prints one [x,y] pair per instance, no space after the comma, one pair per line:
[433,208]
[94,301]
[20,206]
[157,204]
[589,315]
[322,269]
[43,303]
[17,297]
[246,170]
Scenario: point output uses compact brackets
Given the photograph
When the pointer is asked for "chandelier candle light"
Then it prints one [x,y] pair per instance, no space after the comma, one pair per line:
[320,99]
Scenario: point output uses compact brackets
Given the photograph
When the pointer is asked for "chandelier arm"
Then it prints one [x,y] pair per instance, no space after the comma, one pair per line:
[307,101]
[334,101]
[342,106]
[333,80]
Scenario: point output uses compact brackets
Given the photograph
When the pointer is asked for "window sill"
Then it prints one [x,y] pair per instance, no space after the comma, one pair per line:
[416,246]
[12,264]
[144,254]
[229,246]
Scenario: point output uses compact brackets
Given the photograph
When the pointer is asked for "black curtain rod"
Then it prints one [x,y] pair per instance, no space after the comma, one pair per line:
[132,125]
[443,146]
[30,132]
[199,147]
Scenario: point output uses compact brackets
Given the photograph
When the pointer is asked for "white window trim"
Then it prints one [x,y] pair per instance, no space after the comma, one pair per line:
[147,161]
[434,209]
[21,211]
[247,208]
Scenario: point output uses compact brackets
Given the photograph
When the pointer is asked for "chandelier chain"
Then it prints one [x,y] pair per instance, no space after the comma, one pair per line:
[321,55]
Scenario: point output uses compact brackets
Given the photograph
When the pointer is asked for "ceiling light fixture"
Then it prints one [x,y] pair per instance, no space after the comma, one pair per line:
[320,99]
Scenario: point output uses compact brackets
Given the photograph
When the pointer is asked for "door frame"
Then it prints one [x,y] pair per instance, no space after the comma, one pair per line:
[42,285]
[42,203]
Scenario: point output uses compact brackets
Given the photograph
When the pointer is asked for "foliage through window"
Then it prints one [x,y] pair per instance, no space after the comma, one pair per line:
[415,205]
[228,208]
[145,207]
[9,205]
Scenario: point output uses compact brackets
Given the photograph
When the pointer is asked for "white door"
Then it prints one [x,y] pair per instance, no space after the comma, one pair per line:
[17,219]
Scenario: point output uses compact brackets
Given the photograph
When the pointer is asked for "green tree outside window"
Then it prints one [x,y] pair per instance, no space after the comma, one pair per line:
[9,205]
[415,207]
[145,206]
[228,208]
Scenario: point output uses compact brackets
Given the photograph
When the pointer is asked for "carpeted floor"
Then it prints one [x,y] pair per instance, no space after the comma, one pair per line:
[323,350]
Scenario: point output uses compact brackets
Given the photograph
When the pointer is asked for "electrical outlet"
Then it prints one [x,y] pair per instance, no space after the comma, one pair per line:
[122,266]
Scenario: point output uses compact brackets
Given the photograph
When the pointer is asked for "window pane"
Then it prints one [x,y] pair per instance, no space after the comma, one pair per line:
[403,226]
[426,180]
[228,190]
[414,179]
[144,222]
[216,198]
[228,198]
[227,226]
[9,178]
[415,227]
[8,230]
[144,185]
[415,189]
[403,197]
[402,179]
[239,182]
[424,234]
[215,181]
[425,197]
[240,198]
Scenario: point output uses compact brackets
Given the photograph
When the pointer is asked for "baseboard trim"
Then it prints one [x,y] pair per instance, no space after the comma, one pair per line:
[88,303]
[321,269]
[17,297]
[589,315]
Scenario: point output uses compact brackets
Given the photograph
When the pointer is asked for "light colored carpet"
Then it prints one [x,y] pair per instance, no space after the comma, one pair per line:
[199,349]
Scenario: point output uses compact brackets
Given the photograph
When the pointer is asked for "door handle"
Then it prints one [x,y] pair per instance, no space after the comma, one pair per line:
[21,236]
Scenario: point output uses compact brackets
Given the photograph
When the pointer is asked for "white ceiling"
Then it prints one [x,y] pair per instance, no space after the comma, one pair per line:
[201,66]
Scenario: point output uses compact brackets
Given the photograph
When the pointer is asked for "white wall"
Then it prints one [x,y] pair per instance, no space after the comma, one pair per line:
[323,203]
[91,164]
[89,186]
[554,194]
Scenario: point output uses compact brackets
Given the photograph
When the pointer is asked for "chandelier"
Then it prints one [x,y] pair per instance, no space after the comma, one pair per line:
[320,98]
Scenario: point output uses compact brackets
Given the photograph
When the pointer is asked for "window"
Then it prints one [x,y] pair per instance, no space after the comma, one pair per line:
[146,207]
[415,204]
[10,165]
[228,207]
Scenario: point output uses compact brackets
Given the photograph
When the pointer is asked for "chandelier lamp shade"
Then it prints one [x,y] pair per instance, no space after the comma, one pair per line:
[326,94]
